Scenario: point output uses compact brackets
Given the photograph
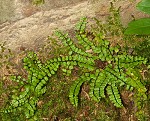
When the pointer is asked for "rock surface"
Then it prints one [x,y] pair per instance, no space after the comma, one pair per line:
[29,26]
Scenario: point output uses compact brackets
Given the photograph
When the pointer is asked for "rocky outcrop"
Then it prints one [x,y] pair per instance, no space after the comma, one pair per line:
[34,24]
[33,30]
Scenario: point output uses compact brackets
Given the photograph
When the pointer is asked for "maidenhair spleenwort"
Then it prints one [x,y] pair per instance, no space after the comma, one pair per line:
[104,67]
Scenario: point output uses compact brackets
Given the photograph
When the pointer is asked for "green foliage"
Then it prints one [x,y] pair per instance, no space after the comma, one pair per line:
[32,87]
[110,68]
[143,49]
[144,6]
[105,68]
[112,26]
[38,2]
[140,26]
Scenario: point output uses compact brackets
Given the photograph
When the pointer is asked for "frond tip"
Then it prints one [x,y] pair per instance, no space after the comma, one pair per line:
[114,95]
[75,90]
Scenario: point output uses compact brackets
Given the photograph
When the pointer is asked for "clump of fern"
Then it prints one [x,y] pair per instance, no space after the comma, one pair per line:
[104,67]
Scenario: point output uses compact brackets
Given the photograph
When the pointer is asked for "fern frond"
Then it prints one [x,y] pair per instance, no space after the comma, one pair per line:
[114,95]
[75,89]
[135,81]
[97,85]
[81,25]
[81,35]
[128,61]
[68,42]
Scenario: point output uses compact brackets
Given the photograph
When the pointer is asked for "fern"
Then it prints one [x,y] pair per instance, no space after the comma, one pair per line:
[103,67]
[75,89]
[114,95]
[97,86]
[116,64]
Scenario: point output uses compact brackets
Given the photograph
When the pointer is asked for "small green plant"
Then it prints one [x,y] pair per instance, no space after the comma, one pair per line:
[140,26]
[38,2]
[105,68]
[143,49]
